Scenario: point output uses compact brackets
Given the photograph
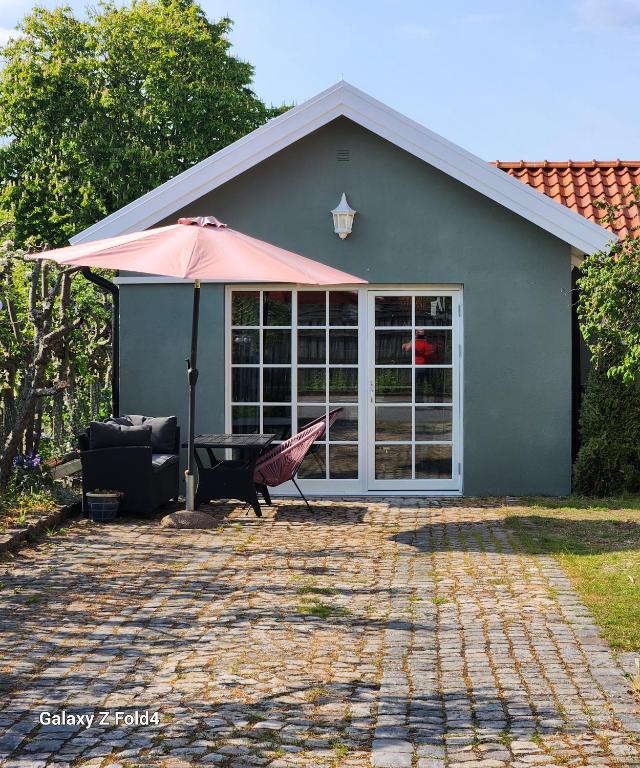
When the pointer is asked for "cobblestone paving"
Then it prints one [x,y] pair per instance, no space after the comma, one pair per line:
[391,633]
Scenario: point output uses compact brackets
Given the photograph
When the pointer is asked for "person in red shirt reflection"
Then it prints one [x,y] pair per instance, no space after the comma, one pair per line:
[424,350]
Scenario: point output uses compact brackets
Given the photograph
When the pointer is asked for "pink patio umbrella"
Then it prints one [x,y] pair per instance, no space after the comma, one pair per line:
[198,249]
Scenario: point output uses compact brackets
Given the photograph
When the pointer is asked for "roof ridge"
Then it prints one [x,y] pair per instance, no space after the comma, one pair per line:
[566,163]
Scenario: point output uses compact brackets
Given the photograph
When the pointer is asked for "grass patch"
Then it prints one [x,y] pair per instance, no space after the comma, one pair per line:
[316,607]
[315,694]
[308,589]
[598,544]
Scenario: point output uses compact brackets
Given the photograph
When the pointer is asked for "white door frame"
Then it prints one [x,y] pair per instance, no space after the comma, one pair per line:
[424,486]
[361,486]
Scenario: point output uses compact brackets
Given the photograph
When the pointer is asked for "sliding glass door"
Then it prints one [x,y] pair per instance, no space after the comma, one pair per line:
[390,359]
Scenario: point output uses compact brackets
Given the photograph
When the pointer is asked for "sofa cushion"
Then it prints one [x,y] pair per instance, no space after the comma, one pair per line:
[163,431]
[104,435]
[162,460]
[124,421]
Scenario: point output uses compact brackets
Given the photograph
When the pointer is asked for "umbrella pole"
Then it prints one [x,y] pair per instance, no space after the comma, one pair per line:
[192,377]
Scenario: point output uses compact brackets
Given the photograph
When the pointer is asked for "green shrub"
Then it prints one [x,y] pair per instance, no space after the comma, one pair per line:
[608,461]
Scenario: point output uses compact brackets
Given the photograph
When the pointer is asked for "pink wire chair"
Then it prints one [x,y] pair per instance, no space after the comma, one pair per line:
[282,462]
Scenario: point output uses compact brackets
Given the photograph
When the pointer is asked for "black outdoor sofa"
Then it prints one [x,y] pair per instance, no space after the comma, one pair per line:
[138,455]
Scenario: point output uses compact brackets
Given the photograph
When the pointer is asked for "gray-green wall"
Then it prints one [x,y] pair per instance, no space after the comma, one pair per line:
[414,225]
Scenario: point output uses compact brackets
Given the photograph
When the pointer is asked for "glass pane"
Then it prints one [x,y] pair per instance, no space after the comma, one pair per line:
[393,423]
[245,385]
[315,463]
[245,308]
[311,347]
[433,310]
[312,385]
[343,347]
[276,308]
[393,310]
[276,346]
[393,347]
[346,425]
[276,385]
[433,461]
[245,419]
[343,308]
[393,462]
[433,385]
[343,385]
[343,462]
[433,423]
[307,413]
[312,308]
[244,347]
[433,347]
[276,419]
[393,385]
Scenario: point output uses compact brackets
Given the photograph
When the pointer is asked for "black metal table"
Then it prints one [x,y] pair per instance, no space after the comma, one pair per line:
[229,478]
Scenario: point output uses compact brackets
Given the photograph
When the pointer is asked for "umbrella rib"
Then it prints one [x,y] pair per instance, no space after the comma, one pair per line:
[190,259]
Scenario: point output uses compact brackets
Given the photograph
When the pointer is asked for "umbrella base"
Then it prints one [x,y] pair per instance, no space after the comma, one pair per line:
[189,519]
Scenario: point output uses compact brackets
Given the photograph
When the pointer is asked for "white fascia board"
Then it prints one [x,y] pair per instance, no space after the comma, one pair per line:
[343,99]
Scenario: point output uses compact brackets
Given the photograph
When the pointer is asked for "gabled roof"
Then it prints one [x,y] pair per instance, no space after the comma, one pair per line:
[343,99]
[579,184]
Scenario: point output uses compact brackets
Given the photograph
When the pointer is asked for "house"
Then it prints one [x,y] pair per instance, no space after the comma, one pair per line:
[453,366]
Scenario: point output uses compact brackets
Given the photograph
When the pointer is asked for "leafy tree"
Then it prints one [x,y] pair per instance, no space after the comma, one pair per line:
[102,109]
[609,300]
[94,112]
[56,327]
[609,310]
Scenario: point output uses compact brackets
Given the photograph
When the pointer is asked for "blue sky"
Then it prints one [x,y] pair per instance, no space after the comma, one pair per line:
[507,79]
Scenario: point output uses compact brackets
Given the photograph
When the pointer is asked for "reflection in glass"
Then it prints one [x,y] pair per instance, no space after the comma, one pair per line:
[276,419]
[343,347]
[393,462]
[393,347]
[311,347]
[308,413]
[312,385]
[433,385]
[343,462]
[393,423]
[432,347]
[276,308]
[433,461]
[244,347]
[314,466]
[276,346]
[245,308]
[393,310]
[393,385]
[245,385]
[276,385]
[343,385]
[433,423]
[346,425]
[312,308]
[245,419]
[433,310]
[343,308]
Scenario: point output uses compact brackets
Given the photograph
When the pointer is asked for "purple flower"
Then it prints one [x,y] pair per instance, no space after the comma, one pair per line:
[26,460]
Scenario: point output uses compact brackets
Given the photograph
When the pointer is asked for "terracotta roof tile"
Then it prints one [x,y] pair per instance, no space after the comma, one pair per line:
[578,184]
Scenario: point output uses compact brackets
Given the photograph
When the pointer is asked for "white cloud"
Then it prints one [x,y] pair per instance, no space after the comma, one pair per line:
[415,31]
[621,15]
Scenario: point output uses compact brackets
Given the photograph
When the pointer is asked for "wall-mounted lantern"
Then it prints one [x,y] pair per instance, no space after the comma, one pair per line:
[343,218]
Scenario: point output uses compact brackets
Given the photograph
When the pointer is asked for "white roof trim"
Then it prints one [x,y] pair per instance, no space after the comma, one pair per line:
[343,99]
